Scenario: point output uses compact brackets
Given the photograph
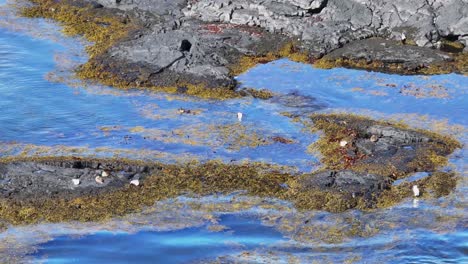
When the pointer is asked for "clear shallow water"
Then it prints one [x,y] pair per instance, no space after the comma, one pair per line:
[440,96]
[39,114]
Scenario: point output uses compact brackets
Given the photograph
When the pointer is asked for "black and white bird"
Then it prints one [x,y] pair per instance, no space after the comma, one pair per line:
[403,38]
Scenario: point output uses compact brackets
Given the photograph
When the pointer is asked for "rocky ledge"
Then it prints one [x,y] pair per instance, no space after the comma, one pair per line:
[362,160]
[186,46]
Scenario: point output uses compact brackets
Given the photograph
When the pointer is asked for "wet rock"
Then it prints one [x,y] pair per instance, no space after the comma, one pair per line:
[76,181]
[398,151]
[347,181]
[125,175]
[55,178]
[388,52]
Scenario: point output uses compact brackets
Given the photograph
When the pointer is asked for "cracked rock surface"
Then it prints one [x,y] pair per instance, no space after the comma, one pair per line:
[198,41]
[21,180]
[333,23]
[389,52]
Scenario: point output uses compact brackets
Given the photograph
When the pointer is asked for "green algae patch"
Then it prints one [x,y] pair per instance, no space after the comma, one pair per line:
[451,46]
[110,75]
[101,27]
[105,28]
[430,153]
[315,198]
[264,94]
[164,181]
[289,50]
[436,185]
[342,146]
[459,64]
[231,136]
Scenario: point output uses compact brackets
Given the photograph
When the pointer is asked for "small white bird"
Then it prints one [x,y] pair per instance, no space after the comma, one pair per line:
[104,174]
[135,182]
[76,181]
[415,190]
[403,37]
[239,116]
[343,143]
[99,179]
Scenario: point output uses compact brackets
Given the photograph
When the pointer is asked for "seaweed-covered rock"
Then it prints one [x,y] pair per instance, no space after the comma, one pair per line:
[358,174]
[168,44]
[379,147]
[347,181]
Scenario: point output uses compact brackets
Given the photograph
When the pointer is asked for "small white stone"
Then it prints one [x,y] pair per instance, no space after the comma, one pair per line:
[415,190]
[374,138]
[135,182]
[104,174]
[76,181]
[343,143]
[99,179]
[239,116]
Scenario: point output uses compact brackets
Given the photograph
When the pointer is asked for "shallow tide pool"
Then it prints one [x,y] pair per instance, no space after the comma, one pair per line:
[45,111]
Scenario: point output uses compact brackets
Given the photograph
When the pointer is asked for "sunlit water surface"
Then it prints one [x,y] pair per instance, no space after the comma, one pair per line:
[44,111]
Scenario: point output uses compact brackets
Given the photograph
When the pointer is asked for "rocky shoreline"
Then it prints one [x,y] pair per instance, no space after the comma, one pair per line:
[197,47]
[362,159]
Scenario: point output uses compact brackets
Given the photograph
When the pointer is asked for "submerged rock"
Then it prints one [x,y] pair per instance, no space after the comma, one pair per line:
[76,181]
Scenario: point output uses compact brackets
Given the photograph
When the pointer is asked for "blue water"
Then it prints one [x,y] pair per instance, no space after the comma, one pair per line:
[157,247]
[335,88]
[44,110]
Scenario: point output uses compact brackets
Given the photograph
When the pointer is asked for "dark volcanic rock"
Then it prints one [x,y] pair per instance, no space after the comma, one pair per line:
[390,52]
[379,147]
[194,52]
[198,41]
[27,180]
[347,181]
